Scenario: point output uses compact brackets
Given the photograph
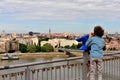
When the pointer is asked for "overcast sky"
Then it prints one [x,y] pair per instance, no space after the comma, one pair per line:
[76,16]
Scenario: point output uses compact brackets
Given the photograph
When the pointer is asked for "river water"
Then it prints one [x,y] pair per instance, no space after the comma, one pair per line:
[23,61]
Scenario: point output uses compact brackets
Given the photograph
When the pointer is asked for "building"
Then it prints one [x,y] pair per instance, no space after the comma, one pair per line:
[8,46]
[59,42]
[2,46]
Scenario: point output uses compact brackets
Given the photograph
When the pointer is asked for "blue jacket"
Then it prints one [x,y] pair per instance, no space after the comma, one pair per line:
[97,44]
[83,39]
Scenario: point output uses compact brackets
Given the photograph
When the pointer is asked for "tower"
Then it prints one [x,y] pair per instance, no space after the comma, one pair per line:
[3,34]
[50,33]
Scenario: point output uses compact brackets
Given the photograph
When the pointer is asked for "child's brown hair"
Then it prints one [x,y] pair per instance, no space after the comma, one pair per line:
[98,31]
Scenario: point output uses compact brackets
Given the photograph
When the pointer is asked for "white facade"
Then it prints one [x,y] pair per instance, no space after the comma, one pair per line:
[62,42]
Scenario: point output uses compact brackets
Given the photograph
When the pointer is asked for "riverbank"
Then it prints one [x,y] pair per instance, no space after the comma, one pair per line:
[42,55]
[37,55]
[48,54]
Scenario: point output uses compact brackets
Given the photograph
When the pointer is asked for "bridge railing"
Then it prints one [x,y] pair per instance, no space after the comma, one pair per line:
[62,69]
[74,68]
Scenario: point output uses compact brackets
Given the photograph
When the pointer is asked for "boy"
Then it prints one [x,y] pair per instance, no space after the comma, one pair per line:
[96,43]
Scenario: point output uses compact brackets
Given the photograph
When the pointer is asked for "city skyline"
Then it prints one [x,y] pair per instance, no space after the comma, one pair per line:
[76,16]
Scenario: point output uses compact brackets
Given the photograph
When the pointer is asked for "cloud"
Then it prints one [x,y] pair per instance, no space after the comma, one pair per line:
[7,28]
[60,9]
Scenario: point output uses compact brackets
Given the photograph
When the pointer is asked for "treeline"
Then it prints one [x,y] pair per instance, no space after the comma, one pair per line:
[35,48]
[45,48]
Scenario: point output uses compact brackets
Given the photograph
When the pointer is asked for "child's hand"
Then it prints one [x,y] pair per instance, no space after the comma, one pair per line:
[91,34]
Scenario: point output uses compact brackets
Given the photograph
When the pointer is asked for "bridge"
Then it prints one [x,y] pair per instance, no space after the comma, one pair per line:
[73,68]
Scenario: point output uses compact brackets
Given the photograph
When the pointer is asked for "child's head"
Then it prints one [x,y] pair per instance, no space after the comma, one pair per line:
[98,31]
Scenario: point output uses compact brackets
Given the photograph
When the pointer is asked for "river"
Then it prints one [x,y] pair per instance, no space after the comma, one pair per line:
[22,61]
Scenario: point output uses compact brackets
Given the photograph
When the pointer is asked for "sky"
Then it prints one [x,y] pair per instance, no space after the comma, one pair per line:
[75,16]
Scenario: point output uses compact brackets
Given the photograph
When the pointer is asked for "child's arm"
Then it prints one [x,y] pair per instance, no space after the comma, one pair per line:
[83,38]
[88,43]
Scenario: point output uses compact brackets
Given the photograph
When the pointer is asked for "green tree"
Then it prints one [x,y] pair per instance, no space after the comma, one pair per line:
[41,39]
[38,48]
[67,46]
[73,46]
[31,48]
[79,45]
[22,47]
[47,48]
